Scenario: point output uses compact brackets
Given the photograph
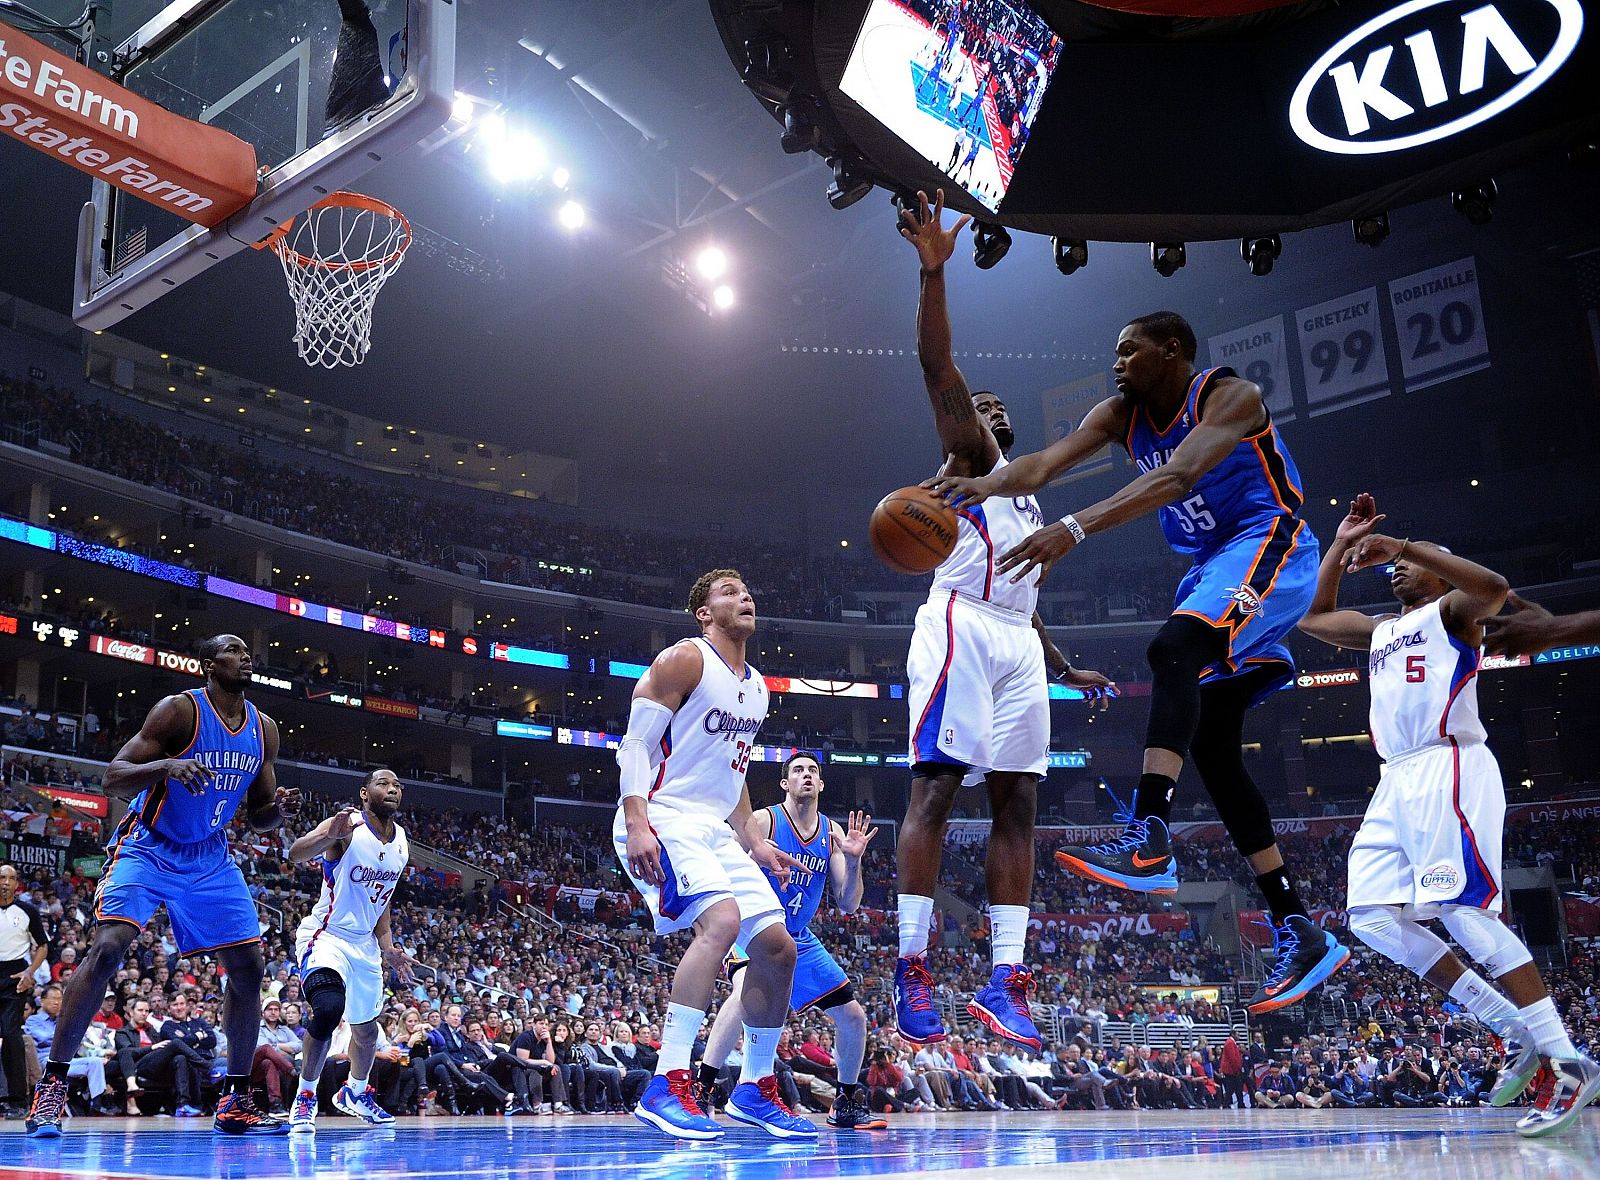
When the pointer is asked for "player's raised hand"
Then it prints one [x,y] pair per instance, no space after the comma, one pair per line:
[1526,631]
[960,491]
[342,822]
[775,860]
[1361,520]
[1092,684]
[1043,548]
[858,833]
[288,800]
[1373,549]
[923,228]
[194,776]
[644,856]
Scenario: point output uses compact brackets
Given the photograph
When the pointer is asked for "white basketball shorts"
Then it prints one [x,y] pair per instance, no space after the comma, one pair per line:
[703,863]
[358,962]
[978,695]
[1432,833]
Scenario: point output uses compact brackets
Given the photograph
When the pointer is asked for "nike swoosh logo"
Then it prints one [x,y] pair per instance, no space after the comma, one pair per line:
[1140,862]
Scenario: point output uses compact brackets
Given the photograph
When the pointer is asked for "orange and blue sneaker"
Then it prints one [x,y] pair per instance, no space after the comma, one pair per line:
[1001,1005]
[1307,955]
[668,1104]
[49,1104]
[914,1013]
[238,1114]
[1139,860]
[758,1104]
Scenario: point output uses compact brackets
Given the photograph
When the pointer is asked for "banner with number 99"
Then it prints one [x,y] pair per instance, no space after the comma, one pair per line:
[1342,360]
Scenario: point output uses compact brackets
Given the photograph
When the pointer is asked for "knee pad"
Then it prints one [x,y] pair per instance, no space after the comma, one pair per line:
[1485,938]
[1390,932]
[324,994]
[1181,650]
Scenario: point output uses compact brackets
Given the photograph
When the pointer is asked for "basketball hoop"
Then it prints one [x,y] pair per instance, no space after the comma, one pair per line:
[336,260]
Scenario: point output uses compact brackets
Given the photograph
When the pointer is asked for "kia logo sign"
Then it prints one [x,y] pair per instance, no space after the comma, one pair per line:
[1430,69]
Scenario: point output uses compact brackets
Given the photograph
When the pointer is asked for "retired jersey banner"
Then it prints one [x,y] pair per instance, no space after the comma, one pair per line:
[1342,360]
[1064,409]
[1438,320]
[1259,352]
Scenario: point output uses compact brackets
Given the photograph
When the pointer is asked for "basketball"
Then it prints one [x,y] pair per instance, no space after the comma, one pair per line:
[912,530]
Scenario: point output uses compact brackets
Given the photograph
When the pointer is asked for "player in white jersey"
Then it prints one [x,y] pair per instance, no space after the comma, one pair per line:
[1429,845]
[344,943]
[979,699]
[684,834]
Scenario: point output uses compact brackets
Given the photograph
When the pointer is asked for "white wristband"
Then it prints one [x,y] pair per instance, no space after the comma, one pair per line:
[1074,527]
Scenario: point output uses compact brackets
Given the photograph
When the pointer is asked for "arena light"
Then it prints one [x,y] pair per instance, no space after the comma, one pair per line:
[1260,254]
[848,186]
[1072,254]
[1476,204]
[1168,258]
[990,243]
[572,215]
[518,157]
[723,297]
[800,130]
[462,110]
[1371,231]
[561,177]
[712,263]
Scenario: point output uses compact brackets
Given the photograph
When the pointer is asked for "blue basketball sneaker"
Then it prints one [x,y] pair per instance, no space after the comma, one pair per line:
[1139,860]
[1307,955]
[363,1106]
[913,1002]
[1002,1005]
[668,1104]
[760,1105]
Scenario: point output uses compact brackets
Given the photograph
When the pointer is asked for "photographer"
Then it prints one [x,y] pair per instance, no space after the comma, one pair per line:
[1351,1087]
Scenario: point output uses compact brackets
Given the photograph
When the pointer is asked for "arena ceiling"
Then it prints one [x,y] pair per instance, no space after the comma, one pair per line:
[583,349]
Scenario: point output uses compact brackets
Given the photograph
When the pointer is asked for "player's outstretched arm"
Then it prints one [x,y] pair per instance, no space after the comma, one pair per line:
[394,957]
[1324,620]
[964,440]
[1478,591]
[328,836]
[1028,474]
[755,834]
[1530,629]
[1095,686]
[268,804]
[661,691]
[143,761]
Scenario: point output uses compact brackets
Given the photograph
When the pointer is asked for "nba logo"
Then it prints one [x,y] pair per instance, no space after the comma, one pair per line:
[950,736]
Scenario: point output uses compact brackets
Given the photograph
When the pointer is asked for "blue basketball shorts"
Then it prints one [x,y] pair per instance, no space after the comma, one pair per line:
[1256,587]
[207,901]
[817,975]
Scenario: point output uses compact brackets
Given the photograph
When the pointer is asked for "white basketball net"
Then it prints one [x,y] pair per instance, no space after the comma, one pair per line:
[336,260]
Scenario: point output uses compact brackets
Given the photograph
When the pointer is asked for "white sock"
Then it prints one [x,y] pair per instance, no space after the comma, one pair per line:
[1544,1026]
[760,1047]
[308,1085]
[1008,931]
[678,1032]
[1474,993]
[357,1085]
[916,919]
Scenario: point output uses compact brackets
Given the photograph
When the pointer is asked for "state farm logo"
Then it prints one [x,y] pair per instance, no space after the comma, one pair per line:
[1430,69]
[1442,878]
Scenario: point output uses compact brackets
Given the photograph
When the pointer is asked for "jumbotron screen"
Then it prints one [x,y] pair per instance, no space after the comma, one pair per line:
[960,81]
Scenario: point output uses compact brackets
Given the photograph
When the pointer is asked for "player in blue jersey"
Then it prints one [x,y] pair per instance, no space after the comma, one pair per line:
[827,855]
[1228,495]
[199,756]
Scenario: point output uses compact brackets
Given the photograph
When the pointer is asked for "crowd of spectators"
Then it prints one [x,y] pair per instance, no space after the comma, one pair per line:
[515,1013]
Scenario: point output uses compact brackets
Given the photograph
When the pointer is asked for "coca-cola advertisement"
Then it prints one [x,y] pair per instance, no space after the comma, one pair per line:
[1112,925]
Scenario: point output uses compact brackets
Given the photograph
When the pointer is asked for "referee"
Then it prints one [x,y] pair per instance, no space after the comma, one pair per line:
[22,950]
